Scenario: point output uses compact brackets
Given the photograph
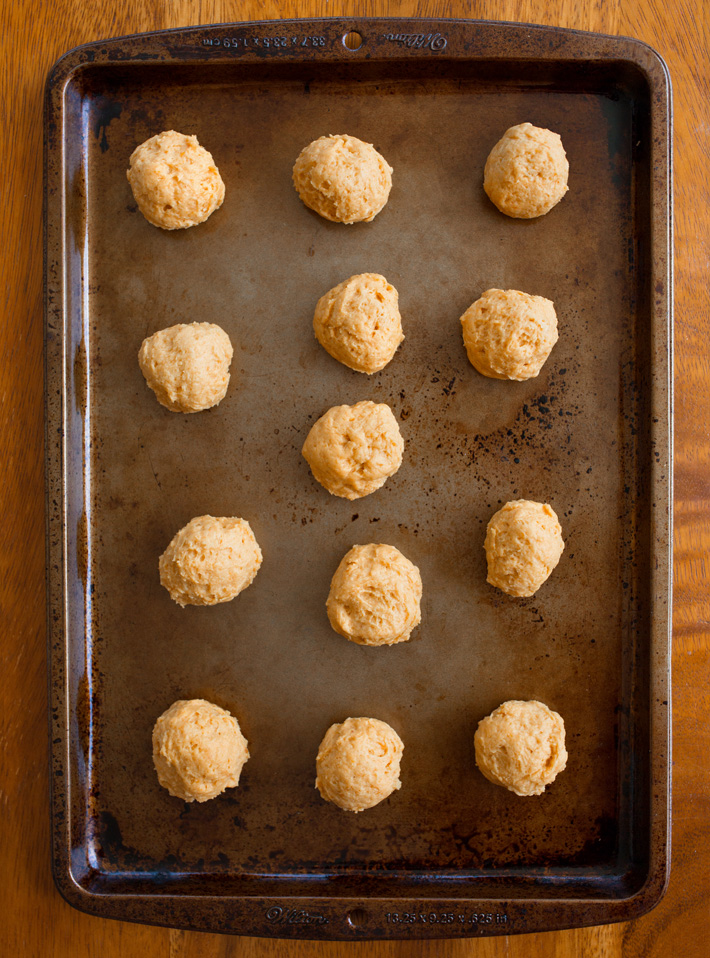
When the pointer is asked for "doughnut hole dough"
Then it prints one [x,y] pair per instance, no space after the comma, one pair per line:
[521,746]
[526,171]
[509,334]
[358,322]
[342,179]
[210,560]
[375,596]
[175,181]
[523,545]
[187,366]
[353,450]
[358,763]
[198,750]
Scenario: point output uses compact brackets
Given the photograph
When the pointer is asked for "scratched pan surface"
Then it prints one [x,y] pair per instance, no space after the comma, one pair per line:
[449,854]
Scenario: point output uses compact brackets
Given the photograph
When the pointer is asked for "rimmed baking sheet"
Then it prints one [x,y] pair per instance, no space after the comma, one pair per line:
[450,854]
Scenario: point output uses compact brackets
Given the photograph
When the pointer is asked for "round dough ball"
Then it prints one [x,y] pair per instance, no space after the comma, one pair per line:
[210,561]
[523,545]
[343,179]
[198,750]
[353,450]
[375,596]
[175,181]
[526,171]
[521,746]
[187,366]
[509,334]
[358,322]
[358,763]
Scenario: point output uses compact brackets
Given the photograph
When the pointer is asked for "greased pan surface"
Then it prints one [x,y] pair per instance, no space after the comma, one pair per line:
[449,854]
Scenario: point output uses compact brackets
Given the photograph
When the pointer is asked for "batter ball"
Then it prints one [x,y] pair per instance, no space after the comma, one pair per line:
[509,334]
[353,450]
[198,750]
[175,181]
[358,763]
[187,366]
[523,545]
[526,171]
[521,746]
[210,561]
[375,596]
[343,179]
[358,322]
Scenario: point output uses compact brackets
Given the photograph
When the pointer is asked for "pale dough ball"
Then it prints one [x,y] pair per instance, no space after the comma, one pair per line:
[175,181]
[358,763]
[358,322]
[375,596]
[521,746]
[353,450]
[509,334]
[198,750]
[187,366]
[526,171]
[210,560]
[523,545]
[342,178]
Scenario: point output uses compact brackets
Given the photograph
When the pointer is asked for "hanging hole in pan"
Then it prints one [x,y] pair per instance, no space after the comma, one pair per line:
[357,917]
[353,40]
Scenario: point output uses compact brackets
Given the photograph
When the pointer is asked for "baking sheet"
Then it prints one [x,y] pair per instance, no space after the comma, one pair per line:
[590,435]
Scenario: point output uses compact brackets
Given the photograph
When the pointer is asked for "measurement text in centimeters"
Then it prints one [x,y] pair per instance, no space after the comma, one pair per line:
[264,42]
[462,919]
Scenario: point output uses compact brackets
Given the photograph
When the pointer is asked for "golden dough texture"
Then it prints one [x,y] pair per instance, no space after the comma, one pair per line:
[358,763]
[353,450]
[210,560]
[342,179]
[187,365]
[175,181]
[198,750]
[509,334]
[526,171]
[375,596]
[523,545]
[358,322]
[521,746]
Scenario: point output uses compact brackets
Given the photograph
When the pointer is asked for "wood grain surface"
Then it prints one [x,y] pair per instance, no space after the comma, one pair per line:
[35,920]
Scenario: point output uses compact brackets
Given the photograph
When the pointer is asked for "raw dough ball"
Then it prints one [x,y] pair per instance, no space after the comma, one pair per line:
[526,171]
[358,763]
[375,595]
[210,560]
[353,450]
[175,181]
[358,322]
[343,179]
[509,334]
[198,750]
[523,545]
[521,746]
[187,366]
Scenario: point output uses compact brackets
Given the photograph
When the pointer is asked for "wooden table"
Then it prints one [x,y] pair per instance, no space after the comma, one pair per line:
[36,922]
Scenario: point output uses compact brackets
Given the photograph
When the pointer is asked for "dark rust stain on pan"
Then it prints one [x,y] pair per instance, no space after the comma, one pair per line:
[589,435]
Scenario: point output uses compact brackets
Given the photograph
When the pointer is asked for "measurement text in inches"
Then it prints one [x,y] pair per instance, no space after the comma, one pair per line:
[463,919]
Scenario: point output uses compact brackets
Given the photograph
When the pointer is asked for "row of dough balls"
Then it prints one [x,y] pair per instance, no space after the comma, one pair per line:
[199,751]
[176,183]
[508,334]
[375,594]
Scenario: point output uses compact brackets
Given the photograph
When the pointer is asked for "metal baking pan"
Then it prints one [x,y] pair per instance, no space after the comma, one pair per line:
[450,855]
